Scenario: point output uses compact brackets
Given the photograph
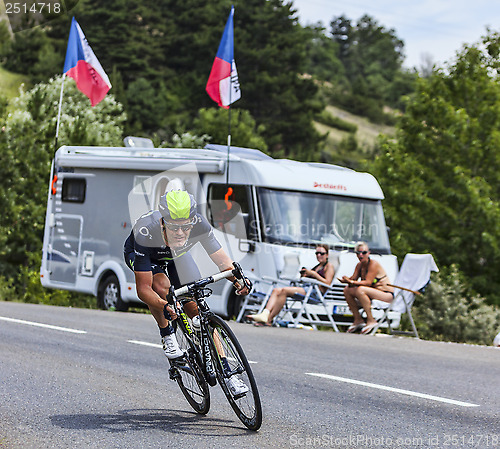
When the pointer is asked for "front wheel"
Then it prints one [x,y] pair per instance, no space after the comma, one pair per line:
[189,375]
[230,361]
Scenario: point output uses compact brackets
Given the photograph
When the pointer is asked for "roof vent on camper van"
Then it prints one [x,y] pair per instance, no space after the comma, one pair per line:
[138,142]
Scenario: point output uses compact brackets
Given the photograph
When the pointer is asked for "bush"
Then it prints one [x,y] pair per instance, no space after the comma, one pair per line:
[26,149]
[348,145]
[335,122]
[30,290]
[26,287]
[447,312]
[6,289]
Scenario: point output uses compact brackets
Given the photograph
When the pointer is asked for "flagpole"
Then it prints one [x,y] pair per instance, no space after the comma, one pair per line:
[229,126]
[59,112]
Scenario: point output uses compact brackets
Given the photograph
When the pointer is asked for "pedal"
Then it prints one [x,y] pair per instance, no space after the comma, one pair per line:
[180,363]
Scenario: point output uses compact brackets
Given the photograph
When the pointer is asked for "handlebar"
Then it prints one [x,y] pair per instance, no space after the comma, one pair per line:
[237,272]
[202,282]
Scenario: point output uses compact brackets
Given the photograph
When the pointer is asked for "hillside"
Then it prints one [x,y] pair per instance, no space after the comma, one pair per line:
[339,150]
[10,83]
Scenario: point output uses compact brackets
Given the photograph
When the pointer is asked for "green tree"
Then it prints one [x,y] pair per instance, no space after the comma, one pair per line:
[5,39]
[173,44]
[402,85]
[244,131]
[322,61]
[32,53]
[372,44]
[372,57]
[270,53]
[26,149]
[341,31]
[142,109]
[442,175]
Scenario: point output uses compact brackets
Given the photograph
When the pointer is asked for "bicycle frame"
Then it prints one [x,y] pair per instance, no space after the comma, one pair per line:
[197,292]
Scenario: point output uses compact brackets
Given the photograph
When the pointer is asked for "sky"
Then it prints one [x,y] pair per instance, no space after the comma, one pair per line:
[435,29]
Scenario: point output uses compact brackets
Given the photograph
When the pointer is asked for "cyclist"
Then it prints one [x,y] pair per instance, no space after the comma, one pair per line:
[157,251]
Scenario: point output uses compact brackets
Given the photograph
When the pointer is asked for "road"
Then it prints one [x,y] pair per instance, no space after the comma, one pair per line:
[84,384]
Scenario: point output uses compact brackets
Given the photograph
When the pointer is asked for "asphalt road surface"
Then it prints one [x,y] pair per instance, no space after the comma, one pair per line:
[74,378]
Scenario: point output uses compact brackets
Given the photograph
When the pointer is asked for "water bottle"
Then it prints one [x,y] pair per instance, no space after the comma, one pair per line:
[283,323]
[196,324]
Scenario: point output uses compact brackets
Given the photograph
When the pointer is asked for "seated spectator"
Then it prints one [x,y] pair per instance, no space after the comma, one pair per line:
[323,272]
[368,282]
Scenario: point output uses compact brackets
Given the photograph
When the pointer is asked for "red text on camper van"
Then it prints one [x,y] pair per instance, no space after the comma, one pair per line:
[323,185]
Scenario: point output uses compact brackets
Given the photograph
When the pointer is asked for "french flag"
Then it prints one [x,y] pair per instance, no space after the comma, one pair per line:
[82,65]
[223,85]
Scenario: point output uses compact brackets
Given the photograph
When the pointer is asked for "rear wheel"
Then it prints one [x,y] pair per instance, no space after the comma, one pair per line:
[189,375]
[108,297]
[247,406]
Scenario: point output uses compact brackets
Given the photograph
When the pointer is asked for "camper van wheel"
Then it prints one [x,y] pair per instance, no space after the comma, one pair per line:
[109,295]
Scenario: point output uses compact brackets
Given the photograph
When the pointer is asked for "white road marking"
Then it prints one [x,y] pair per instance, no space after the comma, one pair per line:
[47,326]
[154,345]
[145,343]
[395,390]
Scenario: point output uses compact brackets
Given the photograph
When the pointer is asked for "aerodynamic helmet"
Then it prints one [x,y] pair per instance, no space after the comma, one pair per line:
[177,205]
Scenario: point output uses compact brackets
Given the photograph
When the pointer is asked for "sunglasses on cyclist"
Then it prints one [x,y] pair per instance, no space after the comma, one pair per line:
[175,227]
[362,252]
[319,253]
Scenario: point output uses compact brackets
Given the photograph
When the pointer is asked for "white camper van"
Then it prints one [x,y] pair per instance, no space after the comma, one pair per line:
[262,210]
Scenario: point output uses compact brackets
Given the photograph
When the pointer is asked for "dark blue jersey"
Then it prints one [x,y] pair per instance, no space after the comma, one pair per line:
[147,242]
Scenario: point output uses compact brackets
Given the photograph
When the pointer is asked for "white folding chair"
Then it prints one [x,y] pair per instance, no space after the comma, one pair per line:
[290,270]
[312,308]
[256,300]
[414,275]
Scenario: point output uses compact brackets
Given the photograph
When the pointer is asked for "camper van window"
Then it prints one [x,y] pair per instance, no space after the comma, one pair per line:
[73,190]
[302,218]
[228,208]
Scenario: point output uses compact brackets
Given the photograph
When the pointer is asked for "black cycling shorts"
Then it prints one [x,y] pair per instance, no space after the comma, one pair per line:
[179,271]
